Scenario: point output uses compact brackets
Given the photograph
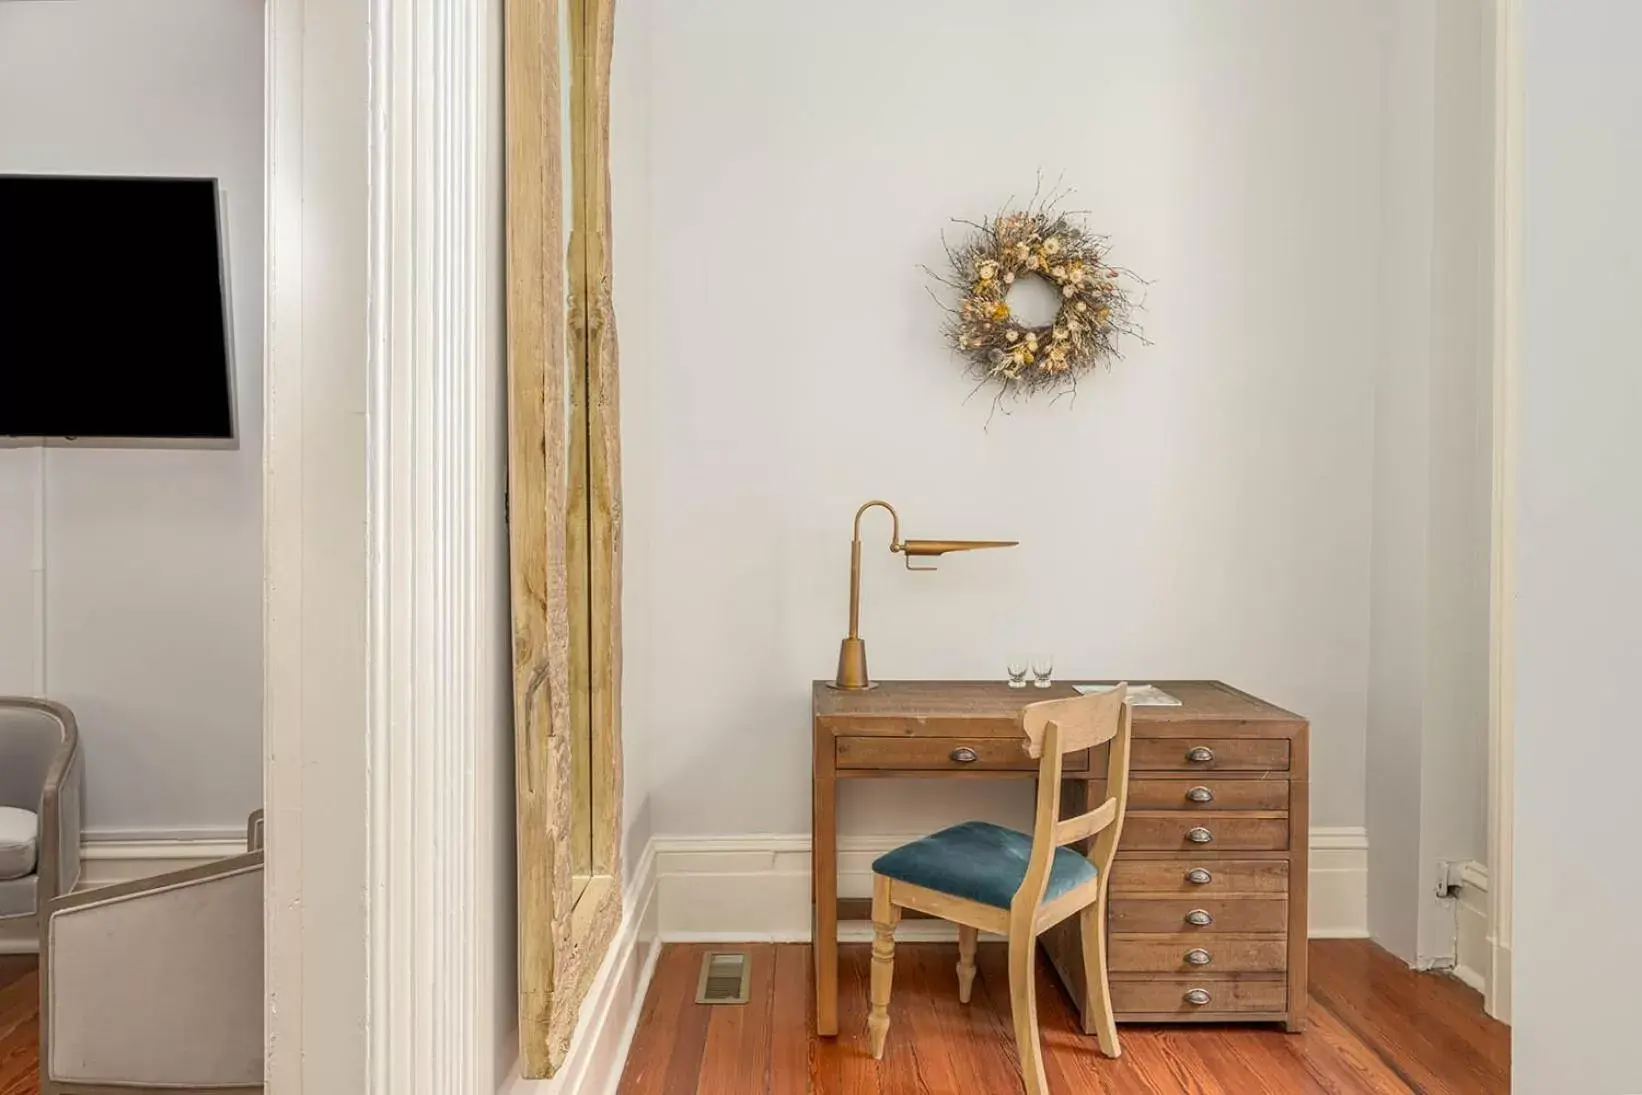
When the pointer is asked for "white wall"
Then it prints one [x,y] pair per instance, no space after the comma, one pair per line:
[630,197]
[1428,681]
[152,558]
[1203,510]
[1578,955]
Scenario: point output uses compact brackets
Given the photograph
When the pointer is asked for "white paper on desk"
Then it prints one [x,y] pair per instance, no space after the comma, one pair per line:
[1140,695]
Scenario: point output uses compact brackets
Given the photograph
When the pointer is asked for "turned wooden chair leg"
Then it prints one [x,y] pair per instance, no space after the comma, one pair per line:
[884,918]
[1023,1005]
[966,961]
[1097,1010]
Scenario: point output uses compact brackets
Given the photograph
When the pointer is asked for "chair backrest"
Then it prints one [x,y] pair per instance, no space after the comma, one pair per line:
[32,734]
[1053,729]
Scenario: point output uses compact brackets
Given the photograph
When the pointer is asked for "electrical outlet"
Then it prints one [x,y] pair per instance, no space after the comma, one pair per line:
[1448,878]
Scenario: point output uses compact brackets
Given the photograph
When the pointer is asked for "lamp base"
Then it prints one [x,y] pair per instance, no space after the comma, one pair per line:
[852,665]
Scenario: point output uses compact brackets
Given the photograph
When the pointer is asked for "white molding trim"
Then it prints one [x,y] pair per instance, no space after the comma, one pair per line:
[610,1012]
[1471,936]
[756,888]
[434,498]
[105,862]
[1508,199]
[316,779]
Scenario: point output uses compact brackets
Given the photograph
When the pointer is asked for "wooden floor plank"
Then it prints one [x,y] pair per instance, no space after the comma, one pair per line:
[736,1055]
[792,1011]
[670,1011]
[1413,1024]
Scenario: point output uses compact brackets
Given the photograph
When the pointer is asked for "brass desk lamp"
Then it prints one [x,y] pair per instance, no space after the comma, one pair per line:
[852,652]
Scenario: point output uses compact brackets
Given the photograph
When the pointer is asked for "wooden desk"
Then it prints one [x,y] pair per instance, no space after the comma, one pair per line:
[1248,761]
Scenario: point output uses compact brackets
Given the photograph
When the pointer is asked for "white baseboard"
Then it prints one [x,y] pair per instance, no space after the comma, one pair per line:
[757,888]
[1499,1000]
[110,857]
[610,1014]
[1471,960]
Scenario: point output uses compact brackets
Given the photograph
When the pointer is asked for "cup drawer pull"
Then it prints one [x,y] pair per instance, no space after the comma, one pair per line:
[964,755]
[1200,754]
[1197,956]
[1197,997]
[1199,835]
[1199,918]
[1199,794]
[1199,876]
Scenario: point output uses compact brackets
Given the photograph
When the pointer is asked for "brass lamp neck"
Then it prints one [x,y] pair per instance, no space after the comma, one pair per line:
[855,559]
[895,518]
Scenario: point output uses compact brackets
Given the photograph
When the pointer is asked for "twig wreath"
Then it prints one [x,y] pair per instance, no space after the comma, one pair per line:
[1095,309]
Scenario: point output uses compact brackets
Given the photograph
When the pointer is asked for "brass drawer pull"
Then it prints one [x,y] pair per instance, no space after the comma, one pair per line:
[1199,835]
[1199,876]
[1197,997]
[1199,918]
[1200,754]
[1200,794]
[1197,956]
[965,755]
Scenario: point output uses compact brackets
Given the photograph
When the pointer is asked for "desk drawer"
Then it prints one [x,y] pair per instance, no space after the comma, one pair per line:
[1209,876]
[1185,832]
[946,754]
[1197,996]
[1183,915]
[1209,755]
[1200,954]
[1197,795]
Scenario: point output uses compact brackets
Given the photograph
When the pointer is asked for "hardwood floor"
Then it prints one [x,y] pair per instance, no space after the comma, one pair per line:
[1376,1028]
[19,1026]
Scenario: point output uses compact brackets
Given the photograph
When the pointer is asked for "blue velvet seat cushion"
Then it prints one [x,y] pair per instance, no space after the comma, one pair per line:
[980,861]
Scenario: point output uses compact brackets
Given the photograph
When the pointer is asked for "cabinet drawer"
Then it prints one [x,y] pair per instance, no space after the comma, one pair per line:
[1202,794]
[1215,954]
[1184,832]
[1186,996]
[1206,877]
[946,754]
[1183,915]
[1209,755]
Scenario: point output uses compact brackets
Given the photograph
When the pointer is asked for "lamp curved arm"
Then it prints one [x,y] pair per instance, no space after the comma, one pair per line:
[895,519]
[855,558]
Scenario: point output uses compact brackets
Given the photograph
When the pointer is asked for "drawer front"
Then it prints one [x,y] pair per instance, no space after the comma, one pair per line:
[1206,877]
[1185,832]
[1202,794]
[1202,954]
[1198,917]
[946,754]
[1193,996]
[1209,755]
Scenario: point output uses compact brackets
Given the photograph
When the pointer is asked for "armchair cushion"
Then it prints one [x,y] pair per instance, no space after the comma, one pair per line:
[19,842]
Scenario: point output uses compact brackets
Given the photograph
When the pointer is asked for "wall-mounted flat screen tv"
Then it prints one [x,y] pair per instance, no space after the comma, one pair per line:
[113,309]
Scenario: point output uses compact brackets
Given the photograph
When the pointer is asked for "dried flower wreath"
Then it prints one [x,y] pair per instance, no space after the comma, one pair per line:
[1095,311]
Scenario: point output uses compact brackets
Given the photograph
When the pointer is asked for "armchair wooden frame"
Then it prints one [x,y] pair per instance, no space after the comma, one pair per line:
[1051,729]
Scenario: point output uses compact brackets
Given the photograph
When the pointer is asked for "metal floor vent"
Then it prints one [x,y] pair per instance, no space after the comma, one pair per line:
[724,977]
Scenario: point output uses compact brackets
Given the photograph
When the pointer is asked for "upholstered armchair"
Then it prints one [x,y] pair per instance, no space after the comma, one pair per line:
[156,985]
[41,782]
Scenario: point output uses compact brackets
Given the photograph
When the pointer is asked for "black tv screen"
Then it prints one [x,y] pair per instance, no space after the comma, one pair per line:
[113,322]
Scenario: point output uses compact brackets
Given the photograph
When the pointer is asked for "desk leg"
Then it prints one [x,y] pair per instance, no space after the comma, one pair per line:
[824,886]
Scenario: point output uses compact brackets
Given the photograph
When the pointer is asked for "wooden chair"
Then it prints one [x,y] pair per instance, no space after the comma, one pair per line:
[987,878]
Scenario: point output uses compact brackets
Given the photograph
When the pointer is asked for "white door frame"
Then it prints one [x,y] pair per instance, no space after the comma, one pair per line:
[385,667]
[1502,563]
